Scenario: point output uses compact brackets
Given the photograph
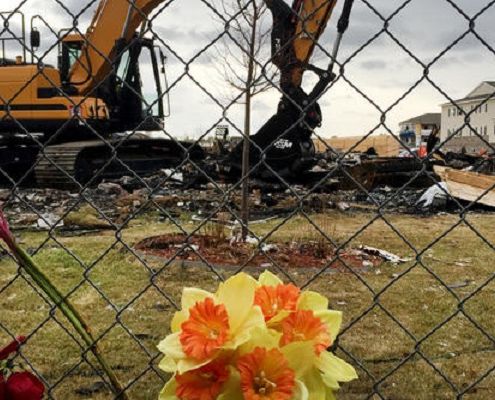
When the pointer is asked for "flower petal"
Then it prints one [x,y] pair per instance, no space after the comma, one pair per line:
[330,395]
[12,347]
[168,391]
[301,356]
[261,337]
[168,364]
[277,319]
[312,301]
[314,384]
[301,392]
[269,279]
[178,319]
[253,319]
[190,296]
[24,386]
[232,388]
[171,346]
[237,294]
[335,369]
[333,320]
[188,364]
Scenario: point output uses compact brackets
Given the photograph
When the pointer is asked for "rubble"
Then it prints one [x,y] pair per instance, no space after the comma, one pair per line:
[366,170]
[435,197]
[49,221]
[459,285]
[220,252]
[386,255]
[113,203]
[357,183]
[110,188]
[469,185]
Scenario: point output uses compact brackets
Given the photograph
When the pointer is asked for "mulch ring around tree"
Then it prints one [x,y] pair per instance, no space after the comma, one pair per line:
[223,253]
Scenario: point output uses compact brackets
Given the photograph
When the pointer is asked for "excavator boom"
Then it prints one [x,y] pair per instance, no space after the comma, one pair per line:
[112,29]
[296,31]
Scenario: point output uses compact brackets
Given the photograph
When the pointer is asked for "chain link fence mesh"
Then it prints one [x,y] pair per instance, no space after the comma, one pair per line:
[418,329]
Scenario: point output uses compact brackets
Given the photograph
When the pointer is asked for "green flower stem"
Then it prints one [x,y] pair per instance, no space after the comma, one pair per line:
[69,311]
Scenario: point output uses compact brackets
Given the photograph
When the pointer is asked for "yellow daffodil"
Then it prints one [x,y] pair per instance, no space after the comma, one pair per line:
[210,323]
[308,323]
[253,340]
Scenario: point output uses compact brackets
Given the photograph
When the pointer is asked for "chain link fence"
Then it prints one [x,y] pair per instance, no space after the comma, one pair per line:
[122,243]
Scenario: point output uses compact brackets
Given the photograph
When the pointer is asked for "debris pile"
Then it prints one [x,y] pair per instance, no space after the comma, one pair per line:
[354,183]
[219,252]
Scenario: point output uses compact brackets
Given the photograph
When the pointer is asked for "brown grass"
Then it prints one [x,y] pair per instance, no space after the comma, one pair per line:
[385,311]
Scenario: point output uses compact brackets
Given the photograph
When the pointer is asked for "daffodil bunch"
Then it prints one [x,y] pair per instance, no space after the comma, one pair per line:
[253,340]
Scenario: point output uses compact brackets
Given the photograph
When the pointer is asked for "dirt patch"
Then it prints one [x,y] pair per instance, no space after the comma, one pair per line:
[220,252]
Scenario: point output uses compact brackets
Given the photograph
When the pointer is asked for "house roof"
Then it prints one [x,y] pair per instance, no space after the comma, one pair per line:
[470,96]
[427,119]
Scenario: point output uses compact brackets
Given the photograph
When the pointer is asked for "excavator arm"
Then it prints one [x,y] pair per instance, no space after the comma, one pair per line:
[283,144]
[112,28]
[296,31]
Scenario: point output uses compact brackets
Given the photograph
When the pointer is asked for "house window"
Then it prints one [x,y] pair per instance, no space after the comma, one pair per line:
[486,107]
[485,131]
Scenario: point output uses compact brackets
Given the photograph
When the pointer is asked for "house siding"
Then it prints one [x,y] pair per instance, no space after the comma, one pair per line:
[481,118]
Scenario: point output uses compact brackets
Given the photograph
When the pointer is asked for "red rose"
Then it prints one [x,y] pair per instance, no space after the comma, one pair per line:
[19,385]
[3,395]
[5,233]
[23,386]
[11,348]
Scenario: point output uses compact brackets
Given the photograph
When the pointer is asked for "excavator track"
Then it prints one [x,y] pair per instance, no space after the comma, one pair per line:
[89,162]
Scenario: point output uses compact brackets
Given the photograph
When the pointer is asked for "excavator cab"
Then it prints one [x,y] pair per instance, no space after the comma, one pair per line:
[131,101]
[69,51]
[136,100]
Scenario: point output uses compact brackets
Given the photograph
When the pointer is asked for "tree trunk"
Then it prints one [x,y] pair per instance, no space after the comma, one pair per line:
[247,127]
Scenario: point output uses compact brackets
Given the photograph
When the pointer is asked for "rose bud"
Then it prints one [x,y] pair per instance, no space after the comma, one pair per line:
[24,386]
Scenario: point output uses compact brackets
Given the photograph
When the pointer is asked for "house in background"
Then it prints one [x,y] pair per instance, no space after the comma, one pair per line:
[414,130]
[481,103]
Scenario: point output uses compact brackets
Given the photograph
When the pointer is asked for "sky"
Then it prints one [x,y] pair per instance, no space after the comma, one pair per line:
[378,75]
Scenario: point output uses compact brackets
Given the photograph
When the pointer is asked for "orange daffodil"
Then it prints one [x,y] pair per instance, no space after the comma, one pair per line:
[253,340]
[211,324]
[306,330]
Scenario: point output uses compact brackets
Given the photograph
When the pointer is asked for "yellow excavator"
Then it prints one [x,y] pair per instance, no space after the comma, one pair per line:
[79,120]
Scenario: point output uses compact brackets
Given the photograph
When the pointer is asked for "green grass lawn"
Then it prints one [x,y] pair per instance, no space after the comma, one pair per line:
[392,313]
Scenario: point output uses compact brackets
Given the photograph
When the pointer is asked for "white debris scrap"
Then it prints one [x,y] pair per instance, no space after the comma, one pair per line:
[268,247]
[393,258]
[435,196]
[173,175]
[49,221]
